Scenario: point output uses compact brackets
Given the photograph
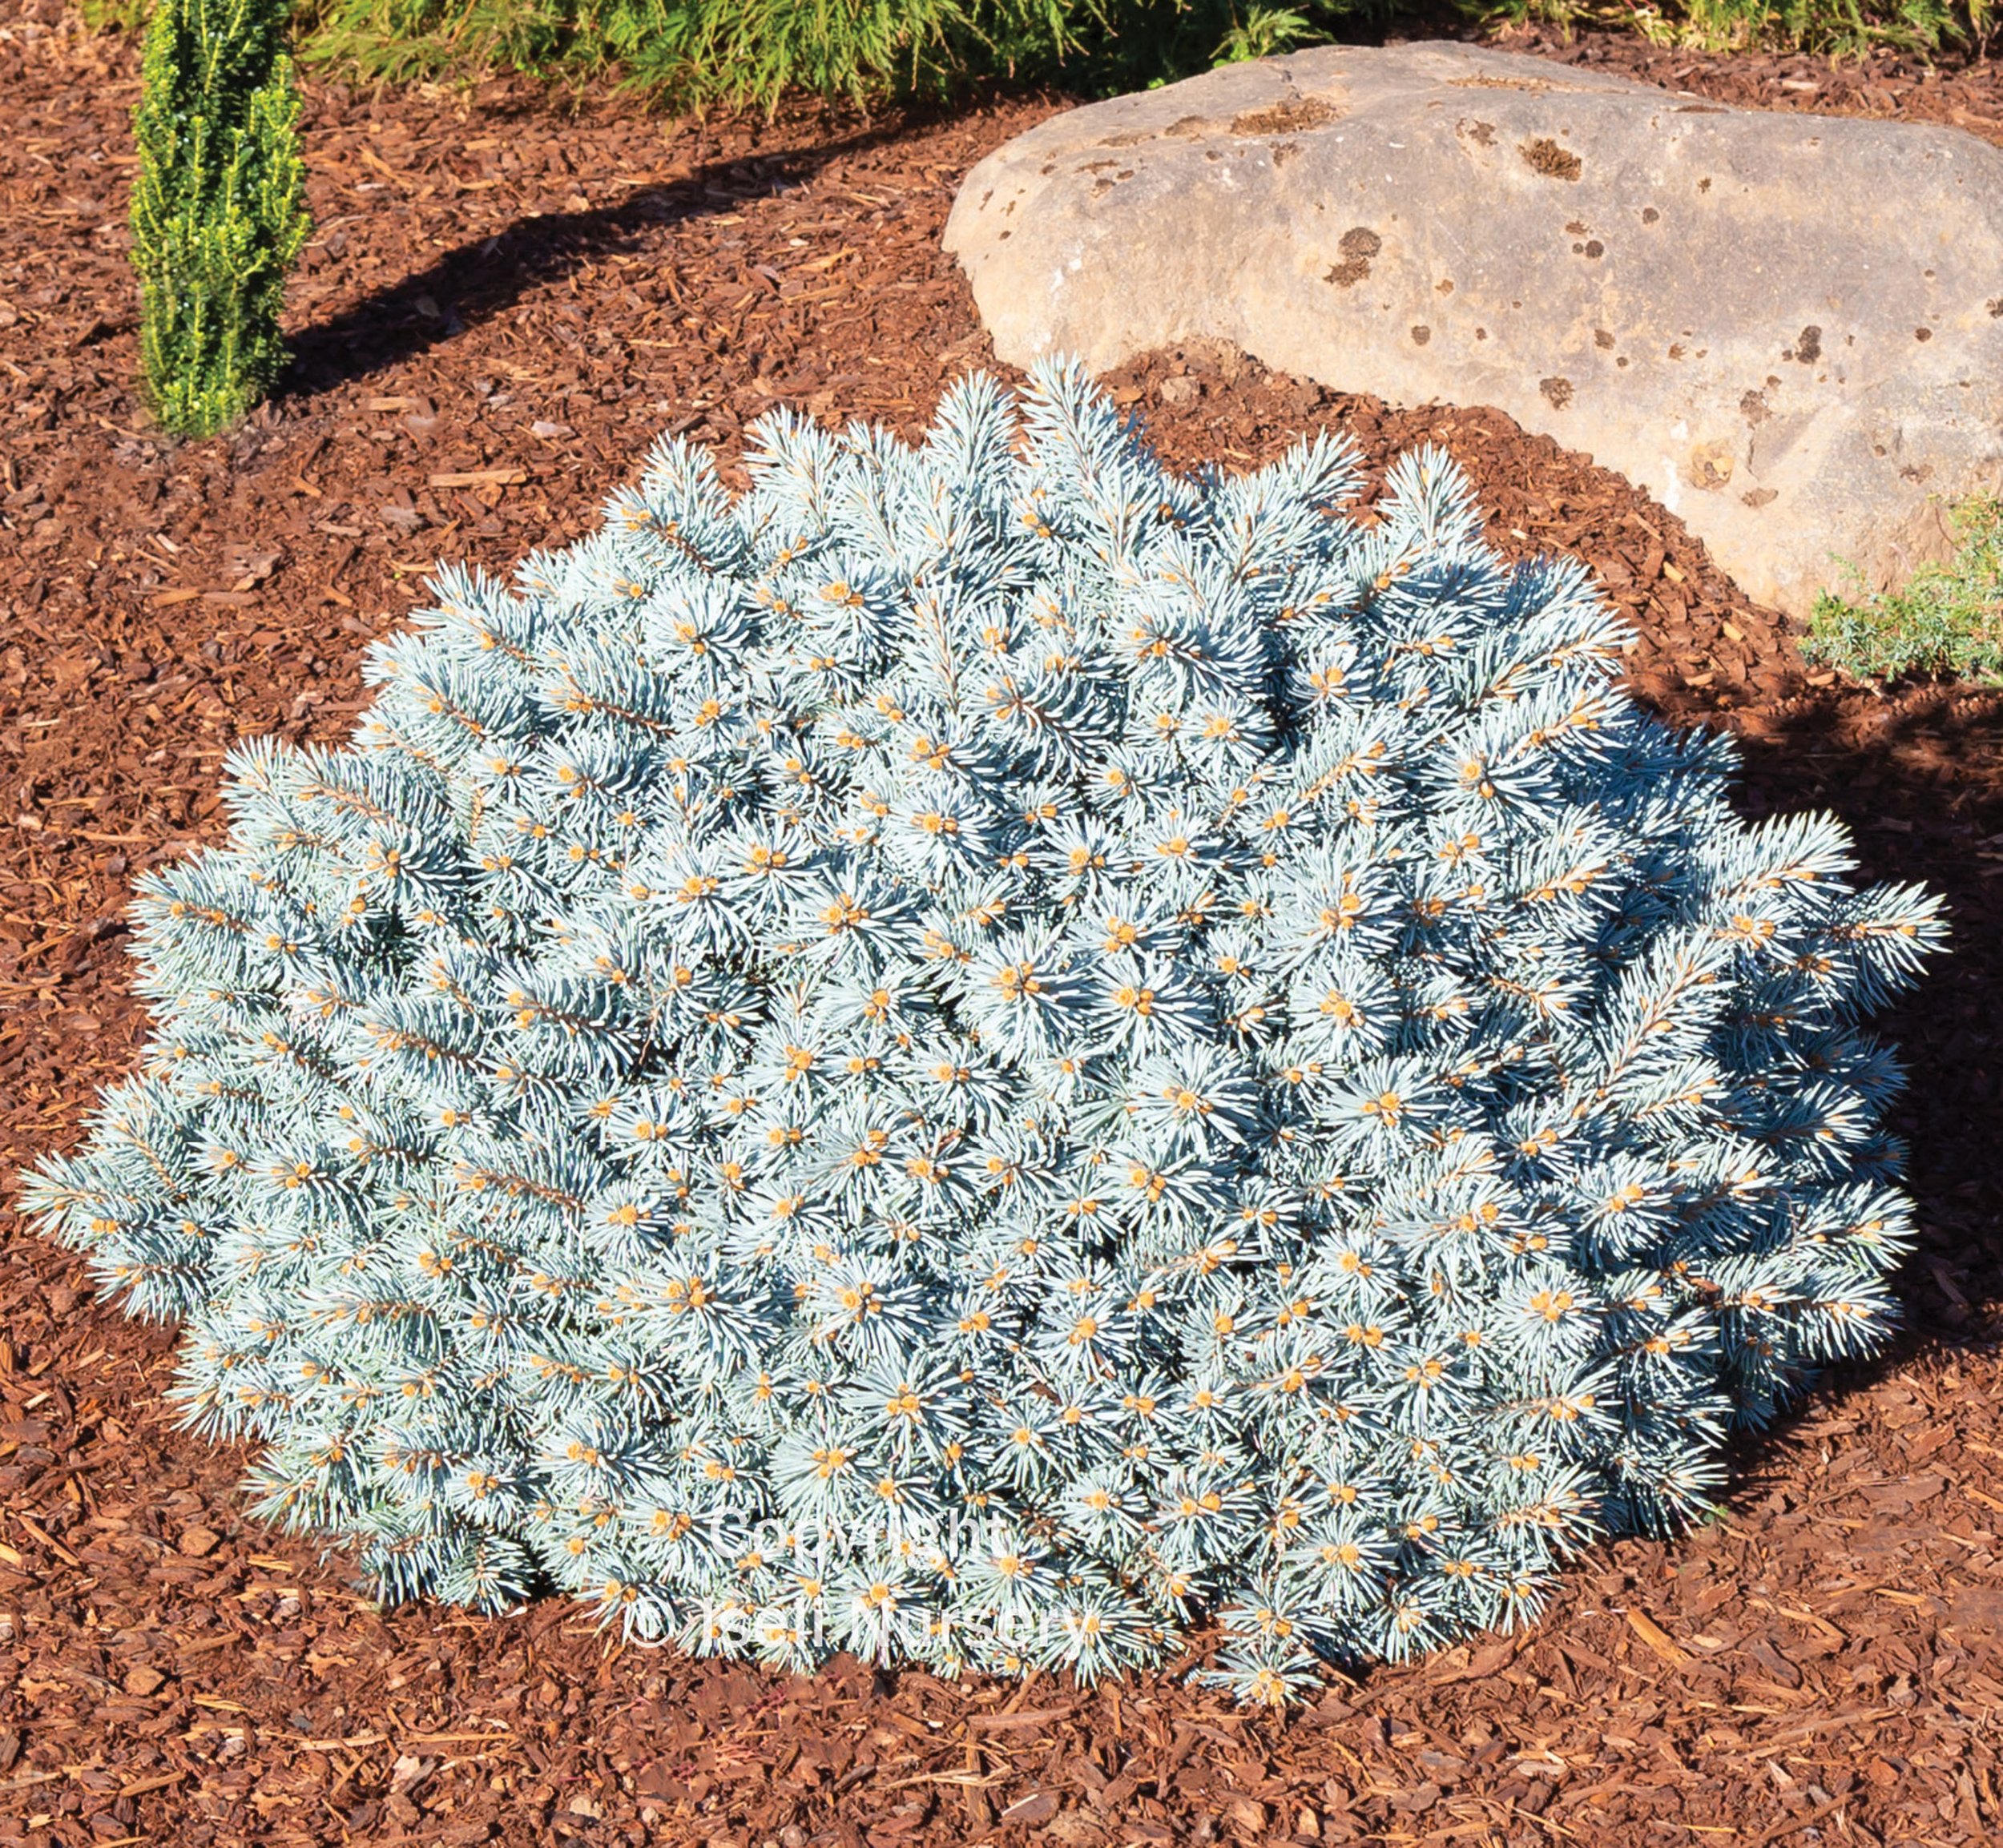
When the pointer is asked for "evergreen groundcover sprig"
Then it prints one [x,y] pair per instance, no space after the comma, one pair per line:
[219,209]
[985,1050]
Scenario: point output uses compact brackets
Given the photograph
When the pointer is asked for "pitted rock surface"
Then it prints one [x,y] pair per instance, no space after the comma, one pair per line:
[1789,329]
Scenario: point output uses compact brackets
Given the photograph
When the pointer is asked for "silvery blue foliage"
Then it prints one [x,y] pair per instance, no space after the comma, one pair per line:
[986,1048]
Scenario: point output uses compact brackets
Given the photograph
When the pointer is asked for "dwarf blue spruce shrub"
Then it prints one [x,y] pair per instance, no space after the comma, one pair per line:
[984,1050]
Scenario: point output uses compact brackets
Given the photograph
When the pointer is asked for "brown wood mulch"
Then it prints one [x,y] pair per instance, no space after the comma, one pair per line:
[504,302]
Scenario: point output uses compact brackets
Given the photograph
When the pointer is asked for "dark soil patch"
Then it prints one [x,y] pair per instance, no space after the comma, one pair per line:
[504,305]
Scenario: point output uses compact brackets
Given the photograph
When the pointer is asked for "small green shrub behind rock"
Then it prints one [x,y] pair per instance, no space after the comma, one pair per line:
[983,1050]
[1946,619]
[218,208]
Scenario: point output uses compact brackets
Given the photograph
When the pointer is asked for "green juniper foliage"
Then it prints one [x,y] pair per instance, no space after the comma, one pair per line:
[694,51]
[218,208]
[750,52]
[988,1047]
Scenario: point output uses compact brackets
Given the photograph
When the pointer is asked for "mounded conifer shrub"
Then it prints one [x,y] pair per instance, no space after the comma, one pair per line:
[983,1051]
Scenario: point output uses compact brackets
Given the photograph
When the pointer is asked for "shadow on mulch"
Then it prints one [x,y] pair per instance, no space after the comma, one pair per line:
[486,276]
[1918,780]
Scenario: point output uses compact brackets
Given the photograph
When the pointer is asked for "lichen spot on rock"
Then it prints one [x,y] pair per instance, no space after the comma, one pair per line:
[1288,118]
[1359,244]
[1544,155]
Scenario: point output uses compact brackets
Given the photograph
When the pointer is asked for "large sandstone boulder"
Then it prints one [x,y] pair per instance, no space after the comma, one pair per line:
[1789,329]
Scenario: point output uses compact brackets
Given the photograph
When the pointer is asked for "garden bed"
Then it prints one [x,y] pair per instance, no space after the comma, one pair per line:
[506,299]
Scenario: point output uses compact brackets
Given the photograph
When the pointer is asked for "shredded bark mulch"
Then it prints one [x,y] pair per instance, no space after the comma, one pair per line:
[506,298]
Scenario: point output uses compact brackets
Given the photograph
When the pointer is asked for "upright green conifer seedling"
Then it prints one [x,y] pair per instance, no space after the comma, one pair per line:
[218,210]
